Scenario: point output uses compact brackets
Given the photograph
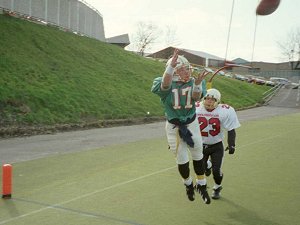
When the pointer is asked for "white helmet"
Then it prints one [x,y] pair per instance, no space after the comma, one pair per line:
[182,61]
[214,93]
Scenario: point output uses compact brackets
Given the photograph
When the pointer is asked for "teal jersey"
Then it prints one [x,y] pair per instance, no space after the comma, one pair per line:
[177,100]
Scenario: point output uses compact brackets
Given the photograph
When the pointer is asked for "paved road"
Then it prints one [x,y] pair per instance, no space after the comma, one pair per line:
[28,148]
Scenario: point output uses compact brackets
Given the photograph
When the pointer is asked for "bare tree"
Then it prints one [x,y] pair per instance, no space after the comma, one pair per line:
[291,48]
[146,35]
[149,34]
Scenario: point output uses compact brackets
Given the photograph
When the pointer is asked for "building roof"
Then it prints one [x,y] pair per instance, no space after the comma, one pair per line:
[240,61]
[121,40]
[202,54]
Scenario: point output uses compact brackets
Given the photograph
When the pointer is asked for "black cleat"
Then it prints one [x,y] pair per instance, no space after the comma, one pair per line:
[216,193]
[190,192]
[203,192]
[207,171]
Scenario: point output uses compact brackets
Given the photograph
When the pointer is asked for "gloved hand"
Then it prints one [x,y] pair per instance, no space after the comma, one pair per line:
[231,149]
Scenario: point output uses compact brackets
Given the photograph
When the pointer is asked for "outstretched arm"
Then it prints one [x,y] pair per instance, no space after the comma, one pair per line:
[168,74]
[197,90]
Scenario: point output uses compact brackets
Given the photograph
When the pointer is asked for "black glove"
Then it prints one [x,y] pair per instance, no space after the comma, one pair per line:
[231,149]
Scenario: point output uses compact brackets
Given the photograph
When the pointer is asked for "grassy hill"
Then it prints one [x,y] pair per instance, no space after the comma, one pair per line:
[49,77]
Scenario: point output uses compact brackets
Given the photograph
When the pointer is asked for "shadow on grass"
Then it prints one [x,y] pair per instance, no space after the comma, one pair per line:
[243,215]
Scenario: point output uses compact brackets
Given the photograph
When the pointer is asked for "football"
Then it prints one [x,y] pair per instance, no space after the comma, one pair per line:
[267,7]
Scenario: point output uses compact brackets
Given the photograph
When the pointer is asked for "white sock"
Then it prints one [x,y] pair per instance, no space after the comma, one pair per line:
[187,181]
[201,182]
[209,164]
[216,186]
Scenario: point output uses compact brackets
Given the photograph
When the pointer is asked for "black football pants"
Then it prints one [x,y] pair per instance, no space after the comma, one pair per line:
[215,153]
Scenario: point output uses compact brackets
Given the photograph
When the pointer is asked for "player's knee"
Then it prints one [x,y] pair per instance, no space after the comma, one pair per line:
[199,166]
[184,170]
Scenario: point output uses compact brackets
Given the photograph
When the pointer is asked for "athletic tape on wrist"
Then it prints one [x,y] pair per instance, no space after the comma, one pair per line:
[170,70]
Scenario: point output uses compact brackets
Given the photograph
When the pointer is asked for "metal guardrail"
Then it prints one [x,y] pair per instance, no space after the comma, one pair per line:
[267,96]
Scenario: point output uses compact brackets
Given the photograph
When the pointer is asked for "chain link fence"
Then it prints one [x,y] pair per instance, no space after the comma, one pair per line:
[73,15]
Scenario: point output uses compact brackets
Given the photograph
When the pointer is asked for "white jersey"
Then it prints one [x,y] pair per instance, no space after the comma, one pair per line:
[213,123]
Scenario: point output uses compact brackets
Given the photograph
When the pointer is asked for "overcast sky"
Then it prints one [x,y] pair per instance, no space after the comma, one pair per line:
[202,25]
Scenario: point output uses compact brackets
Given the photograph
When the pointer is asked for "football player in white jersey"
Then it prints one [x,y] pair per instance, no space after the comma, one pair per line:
[214,118]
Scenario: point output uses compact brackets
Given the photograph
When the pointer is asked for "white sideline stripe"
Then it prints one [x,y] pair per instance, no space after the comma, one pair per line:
[86,195]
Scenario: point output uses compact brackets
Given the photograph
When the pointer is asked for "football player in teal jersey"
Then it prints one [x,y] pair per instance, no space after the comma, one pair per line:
[178,92]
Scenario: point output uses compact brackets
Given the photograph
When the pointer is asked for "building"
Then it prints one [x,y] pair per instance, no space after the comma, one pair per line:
[263,69]
[76,16]
[120,40]
[194,57]
[266,69]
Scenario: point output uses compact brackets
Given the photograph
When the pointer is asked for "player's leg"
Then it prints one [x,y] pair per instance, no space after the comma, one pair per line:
[206,156]
[198,161]
[179,149]
[208,168]
[182,160]
[217,161]
[184,171]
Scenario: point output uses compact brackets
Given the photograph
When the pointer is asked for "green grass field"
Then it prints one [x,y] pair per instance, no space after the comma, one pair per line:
[51,77]
[138,183]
